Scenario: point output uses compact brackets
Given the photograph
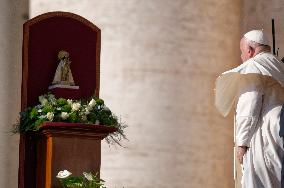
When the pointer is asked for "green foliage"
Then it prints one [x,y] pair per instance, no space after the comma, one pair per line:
[73,117]
[66,108]
[91,111]
[61,102]
[100,102]
[93,116]
[88,180]
[47,108]
[72,182]
[33,113]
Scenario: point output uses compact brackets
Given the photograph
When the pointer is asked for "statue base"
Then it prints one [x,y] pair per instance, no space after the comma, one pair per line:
[63,86]
[65,91]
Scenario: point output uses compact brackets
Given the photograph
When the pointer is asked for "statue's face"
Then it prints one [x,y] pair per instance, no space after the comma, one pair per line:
[66,59]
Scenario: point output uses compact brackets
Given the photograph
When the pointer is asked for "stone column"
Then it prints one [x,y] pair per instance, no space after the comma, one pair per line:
[159,63]
[12,15]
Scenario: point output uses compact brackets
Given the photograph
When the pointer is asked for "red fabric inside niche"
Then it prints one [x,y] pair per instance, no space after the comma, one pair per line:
[46,39]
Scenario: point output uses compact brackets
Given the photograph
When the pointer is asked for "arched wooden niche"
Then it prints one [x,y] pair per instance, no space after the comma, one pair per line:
[44,36]
[47,34]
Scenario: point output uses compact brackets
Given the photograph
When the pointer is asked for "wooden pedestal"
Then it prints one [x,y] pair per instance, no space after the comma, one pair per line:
[63,146]
[59,146]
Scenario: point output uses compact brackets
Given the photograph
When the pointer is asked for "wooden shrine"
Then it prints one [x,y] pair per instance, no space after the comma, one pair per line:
[57,145]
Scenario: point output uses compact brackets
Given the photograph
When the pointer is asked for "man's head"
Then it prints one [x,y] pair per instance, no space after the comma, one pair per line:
[252,43]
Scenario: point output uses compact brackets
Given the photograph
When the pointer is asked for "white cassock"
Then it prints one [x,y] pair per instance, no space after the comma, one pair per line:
[255,89]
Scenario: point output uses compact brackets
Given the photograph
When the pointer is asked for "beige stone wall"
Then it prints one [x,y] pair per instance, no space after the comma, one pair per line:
[12,15]
[158,66]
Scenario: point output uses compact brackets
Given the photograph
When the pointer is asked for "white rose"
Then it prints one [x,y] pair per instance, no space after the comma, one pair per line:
[88,176]
[92,103]
[64,115]
[69,101]
[50,116]
[76,106]
[63,174]
[97,122]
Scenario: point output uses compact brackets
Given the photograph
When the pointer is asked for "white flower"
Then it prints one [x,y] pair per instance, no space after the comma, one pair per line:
[97,122]
[63,174]
[50,116]
[87,112]
[43,101]
[58,108]
[69,101]
[92,103]
[40,110]
[42,116]
[76,106]
[84,118]
[64,115]
[89,108]
[88,176]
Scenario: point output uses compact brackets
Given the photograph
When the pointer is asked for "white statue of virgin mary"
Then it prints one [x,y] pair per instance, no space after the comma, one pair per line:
[63,76]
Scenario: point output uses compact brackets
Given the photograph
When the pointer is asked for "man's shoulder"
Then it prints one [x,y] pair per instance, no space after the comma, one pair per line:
[263,63]
[266,57]
[249,66]
[260,63]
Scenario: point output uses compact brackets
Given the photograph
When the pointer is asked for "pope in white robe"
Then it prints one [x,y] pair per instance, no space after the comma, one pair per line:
[255,90]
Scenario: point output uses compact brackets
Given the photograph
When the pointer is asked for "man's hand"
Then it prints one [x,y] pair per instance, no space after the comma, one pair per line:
[241,150]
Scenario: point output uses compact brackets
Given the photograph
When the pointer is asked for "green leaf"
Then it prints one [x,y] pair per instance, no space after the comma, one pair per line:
[73,117]
[100,102]
[61,102]
[33,113]
[47,109]
[66,108]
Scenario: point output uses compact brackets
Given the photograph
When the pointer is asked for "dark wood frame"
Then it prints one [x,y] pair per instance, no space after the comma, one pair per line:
[25,57]
[25,140]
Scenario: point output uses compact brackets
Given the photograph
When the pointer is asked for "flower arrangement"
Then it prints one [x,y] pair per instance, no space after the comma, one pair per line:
[88,180]
[92,111]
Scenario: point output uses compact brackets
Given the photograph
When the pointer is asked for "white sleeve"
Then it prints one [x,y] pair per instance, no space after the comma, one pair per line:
[247,114]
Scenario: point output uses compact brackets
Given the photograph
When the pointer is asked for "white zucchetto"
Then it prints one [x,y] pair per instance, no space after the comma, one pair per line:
[257,36]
